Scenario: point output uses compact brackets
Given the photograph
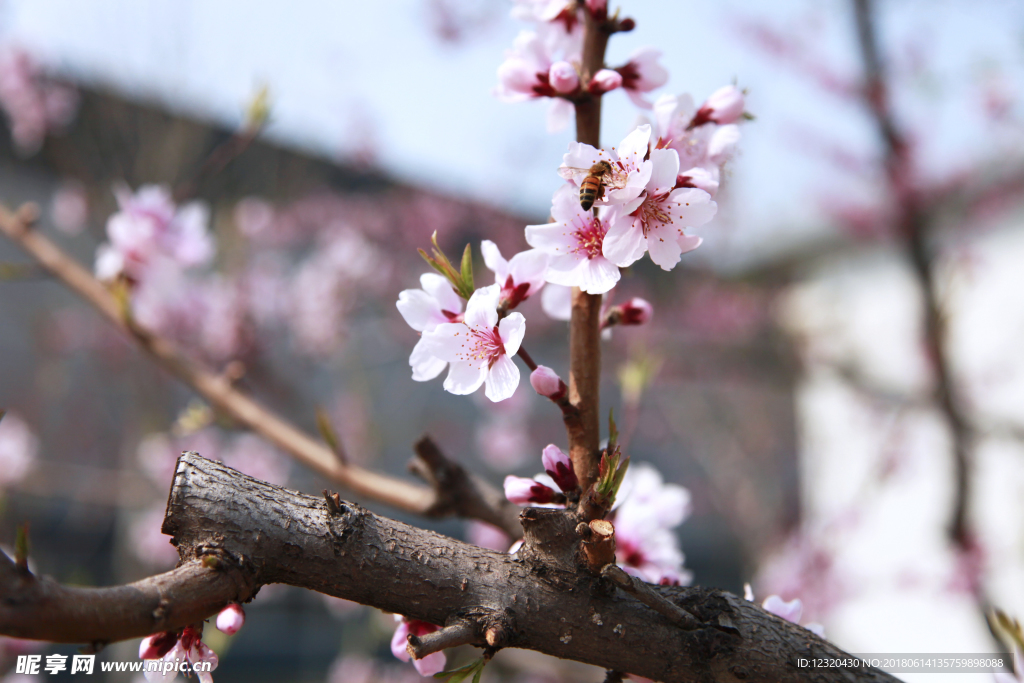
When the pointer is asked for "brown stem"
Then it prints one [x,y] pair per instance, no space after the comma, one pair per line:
[527,358]
[218,390]
[647,595]
[584,429]
[914,229]
[462,632]
[352,553]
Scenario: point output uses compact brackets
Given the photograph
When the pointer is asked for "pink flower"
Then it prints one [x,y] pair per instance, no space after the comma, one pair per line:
[724,106]
[231,618]
[148,543]
[574,244]
[642,74]
[18,449]
[479,349]
[425,309]
[654,221]
[646,545]
[636,311]
[150,225]
[523,491]
[429,665]
[702,149]
[69,208]
[563,77]
[604,81]
[630,172]
[252,455]
[559,468]
[518,278]
[546,382]
[174,647]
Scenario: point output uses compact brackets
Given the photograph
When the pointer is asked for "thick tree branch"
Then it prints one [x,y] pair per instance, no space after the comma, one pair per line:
[234,532]
[218,390]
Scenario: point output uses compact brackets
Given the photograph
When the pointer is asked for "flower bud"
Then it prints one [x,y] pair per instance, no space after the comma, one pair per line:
[231,618]
[636,311]
[546,382]
[523,491]
[559,467]
[724,106]
[563,77]
[604,81]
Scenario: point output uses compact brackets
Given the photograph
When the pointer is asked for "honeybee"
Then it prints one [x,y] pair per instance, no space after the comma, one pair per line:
[594,181]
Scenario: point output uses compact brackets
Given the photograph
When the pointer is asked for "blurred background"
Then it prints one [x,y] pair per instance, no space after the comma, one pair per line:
[850,330]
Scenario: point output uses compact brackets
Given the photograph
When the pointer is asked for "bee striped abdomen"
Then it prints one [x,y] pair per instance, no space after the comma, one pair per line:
[590,189]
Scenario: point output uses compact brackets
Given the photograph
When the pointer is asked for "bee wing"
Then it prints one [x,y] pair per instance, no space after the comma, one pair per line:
[573,173]
[615,179]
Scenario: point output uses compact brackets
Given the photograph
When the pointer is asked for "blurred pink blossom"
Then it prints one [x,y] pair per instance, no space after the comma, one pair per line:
[34,104]
[427,666]
[604,81]
[186,646]
[18,449]
[487,536]
[148,543]
[723,107]
[523,491]
[642,74]
[645,519]
[69,207]
[252,455]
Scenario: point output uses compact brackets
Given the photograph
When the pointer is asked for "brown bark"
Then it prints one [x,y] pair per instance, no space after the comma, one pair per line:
[234,532]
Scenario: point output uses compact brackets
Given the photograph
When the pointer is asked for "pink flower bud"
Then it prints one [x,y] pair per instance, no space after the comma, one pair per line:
[157,645]
[604,81]
[790,611]
[724,106]
[636,311]
[231,618]
[559,467]
[546,382]
[522,491]
[563,77]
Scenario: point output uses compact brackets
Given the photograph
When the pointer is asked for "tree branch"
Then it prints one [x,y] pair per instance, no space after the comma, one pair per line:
[219,392]
[234,532]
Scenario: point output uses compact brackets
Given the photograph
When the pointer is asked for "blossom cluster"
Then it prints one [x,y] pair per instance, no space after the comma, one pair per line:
[546,61]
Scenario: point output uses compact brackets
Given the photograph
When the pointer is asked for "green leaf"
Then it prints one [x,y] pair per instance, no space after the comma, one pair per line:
[467,268]
[613,430]
[460,674]
[21,546]
[479,672]
[2,413]
[323,423]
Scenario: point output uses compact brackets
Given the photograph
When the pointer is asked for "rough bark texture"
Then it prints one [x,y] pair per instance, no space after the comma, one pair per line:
[281,536]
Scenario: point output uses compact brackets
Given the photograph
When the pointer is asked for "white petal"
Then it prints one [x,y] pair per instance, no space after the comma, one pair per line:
[425,365]
[511,329]
[689,242]
[665,164]
[692,207]
[633,147]
[502,379]
[464,378]
[556,301]
[553,238]
[664,248]
[438,287]
[565,205]
[482,309]
[419,309]
[445,341]
[723,143]
[625,242]
[600,276]
[494,260]
[528,266]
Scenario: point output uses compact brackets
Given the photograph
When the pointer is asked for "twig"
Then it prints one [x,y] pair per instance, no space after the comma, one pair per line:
[461,493]
[645,594]
[219,392]
[462,632]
